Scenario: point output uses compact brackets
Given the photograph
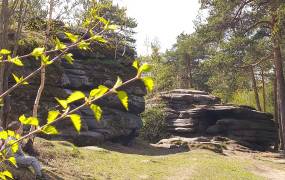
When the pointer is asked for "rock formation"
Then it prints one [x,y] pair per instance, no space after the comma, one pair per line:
[91,68]
[191,113]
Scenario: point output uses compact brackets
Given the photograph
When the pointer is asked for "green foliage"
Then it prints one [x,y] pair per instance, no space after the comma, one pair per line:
[13,145]
[73,38]
[19,80]
[148,81]
[118,83]
[98,92]
[99,39]
[45,60]
[136,64]
[76,120]
[144,68]
[37,52]
[62,102]
[29,121]
[5,174]
[123,96]
[154,126]
[13,161]
[59,45]
[3,135]
[49,130]
[5,52]
[68,57]
[245,97]
[83,45]
[97,111]
[75,96]
[161,70]
[16,60]
[52,115]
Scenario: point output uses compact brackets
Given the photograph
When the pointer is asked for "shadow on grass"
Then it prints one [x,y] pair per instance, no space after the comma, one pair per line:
[141,148]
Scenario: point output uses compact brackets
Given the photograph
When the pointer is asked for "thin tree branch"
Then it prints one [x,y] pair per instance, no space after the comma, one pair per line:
[67,113]
[255,64]
[53,60]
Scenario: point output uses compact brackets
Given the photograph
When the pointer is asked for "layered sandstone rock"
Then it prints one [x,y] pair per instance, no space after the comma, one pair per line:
[91,68]
[191,113]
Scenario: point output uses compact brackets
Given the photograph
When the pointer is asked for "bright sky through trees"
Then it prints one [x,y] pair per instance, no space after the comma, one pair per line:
[161,20]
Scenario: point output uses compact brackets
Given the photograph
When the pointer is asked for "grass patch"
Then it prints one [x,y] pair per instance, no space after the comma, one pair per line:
[69,162]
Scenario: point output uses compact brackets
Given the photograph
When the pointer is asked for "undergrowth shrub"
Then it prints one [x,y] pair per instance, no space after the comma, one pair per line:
[154,126]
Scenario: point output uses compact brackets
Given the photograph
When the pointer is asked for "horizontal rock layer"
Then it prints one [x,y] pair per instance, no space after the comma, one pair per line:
[91,68]
[191,113]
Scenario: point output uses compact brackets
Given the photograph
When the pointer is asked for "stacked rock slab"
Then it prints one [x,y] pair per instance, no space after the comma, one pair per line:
[91,68]
[191,113]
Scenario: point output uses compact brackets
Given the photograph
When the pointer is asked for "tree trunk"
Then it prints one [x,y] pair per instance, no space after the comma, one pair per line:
[263,90]
[29,146]
[4,26]
[279,142]
[188,75]
[280,87]
[254,87]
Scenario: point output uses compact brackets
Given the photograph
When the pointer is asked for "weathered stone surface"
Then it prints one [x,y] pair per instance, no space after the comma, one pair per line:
[91,68]
[182,98]
[192,113]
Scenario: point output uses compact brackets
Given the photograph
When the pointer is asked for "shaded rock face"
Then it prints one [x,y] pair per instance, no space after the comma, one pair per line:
[192,113]
[90,69]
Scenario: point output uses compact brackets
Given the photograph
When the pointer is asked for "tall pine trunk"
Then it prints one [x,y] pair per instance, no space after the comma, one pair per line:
[263,90]
[4,27]
[255,89]
[280,88]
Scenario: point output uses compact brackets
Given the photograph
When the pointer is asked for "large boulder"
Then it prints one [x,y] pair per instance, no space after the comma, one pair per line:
[93,67]
[191,113]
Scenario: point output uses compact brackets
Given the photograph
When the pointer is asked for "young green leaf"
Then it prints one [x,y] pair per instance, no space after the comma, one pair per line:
[75,96]
[14,147]
[49,130]
[68,57]
[45,60]
[5,52]
[52,115]
[7,174]
[59,45]
[16,78]
[30,121]
[13,161]
[19,80]
[83,45]
[97,111]
[100,91]
[63,103]
[144,68]
[118,83]
[111,27]
[86,23]
[103,20]
[11,133]
[136,64]
[37,52]
[3,135]
[123,96]
[16,61]
[2,176]
[76,120]
[73,38]
[148,82]
[99,39]
[17,136]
